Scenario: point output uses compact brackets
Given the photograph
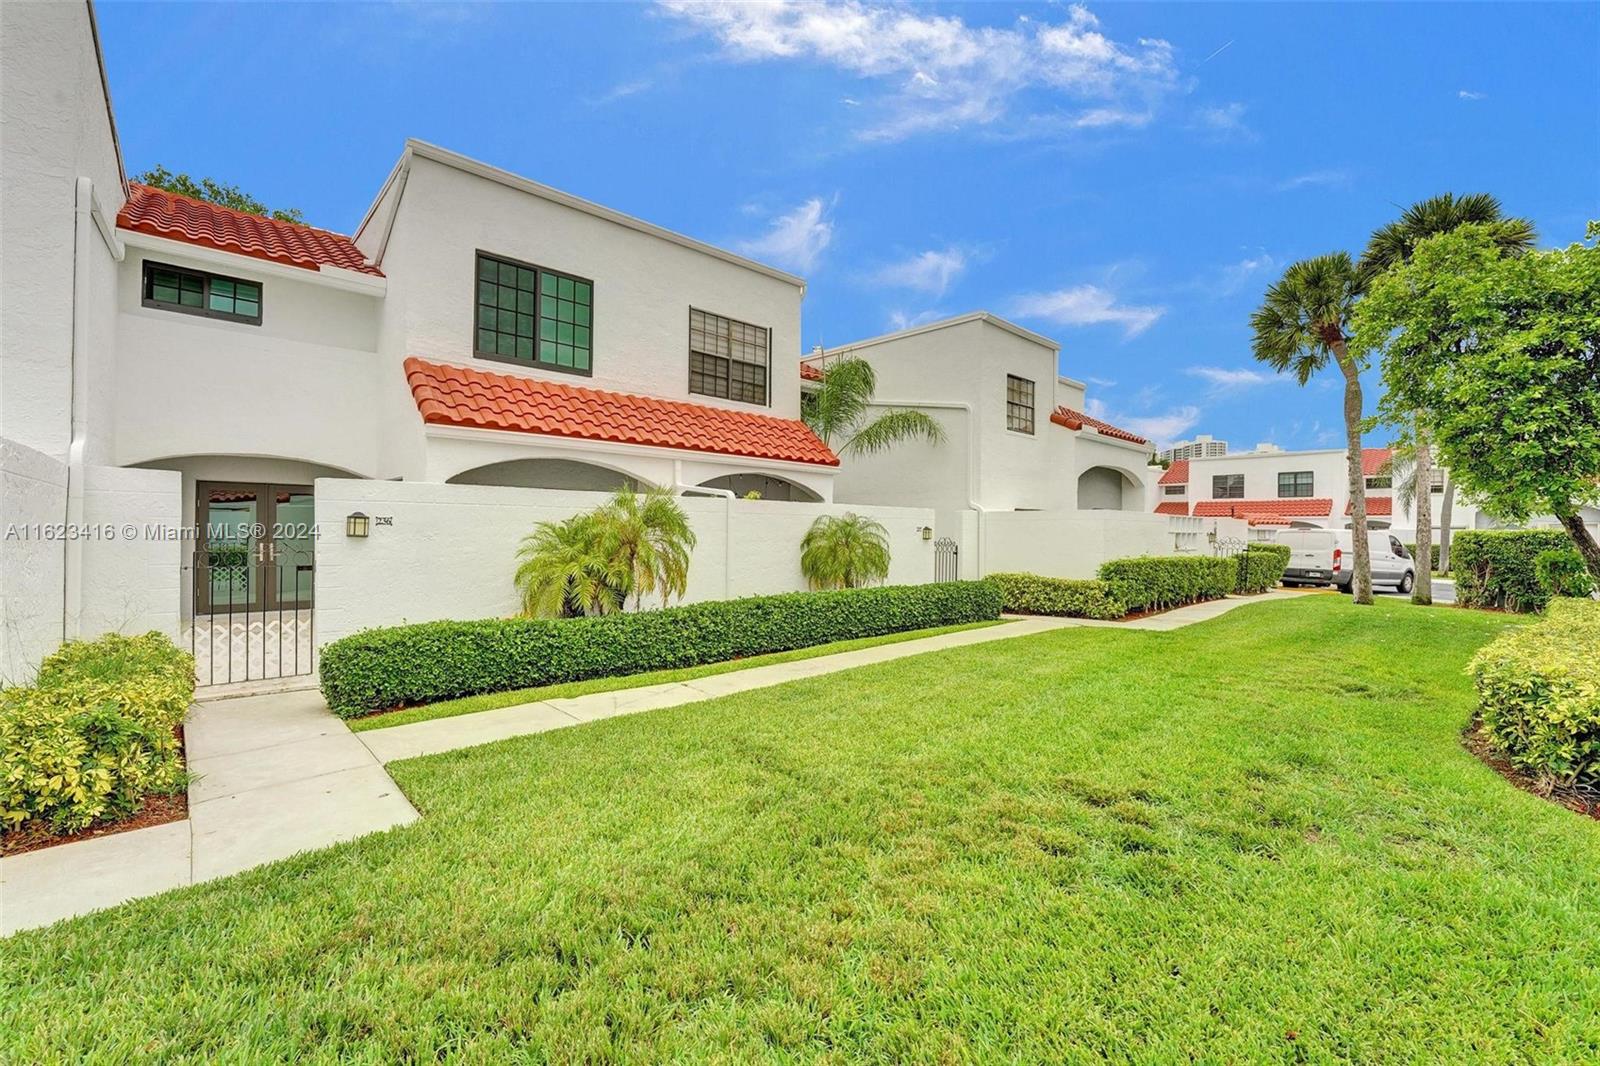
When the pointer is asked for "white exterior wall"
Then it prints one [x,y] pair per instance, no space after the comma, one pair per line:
[450,550]
[33,493]
[1330,475]
[1067,544]
[132,584]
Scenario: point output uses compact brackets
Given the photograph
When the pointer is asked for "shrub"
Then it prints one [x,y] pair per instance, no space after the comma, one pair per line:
[844,552]
[1154,582]
[1562,573]
[1261,566]
[1433,561]
[1498,568]
[96,732]
[1032,594]
[1539,694]
[382,668]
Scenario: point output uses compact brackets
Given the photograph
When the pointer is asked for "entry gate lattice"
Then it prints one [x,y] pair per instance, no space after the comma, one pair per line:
[251,614]
[946,560]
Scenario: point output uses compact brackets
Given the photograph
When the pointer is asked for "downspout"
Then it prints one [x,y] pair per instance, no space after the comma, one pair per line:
[683,488]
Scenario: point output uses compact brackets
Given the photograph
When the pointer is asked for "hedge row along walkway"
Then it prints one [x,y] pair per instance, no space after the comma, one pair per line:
[280,774]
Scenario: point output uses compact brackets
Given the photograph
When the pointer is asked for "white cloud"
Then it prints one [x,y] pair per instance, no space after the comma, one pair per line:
[1224,122]
[1087,305]
[936,71]
[899,320]
[1104,383]
[621,91]
[1234,276]
[930,271]
[1315,177]
[1230,379]
[1160,429]
[1468,94]
[796,240]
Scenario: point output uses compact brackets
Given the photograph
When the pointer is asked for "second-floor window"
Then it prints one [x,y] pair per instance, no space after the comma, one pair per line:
[728,359]
[1019,404]
[1294,483]
[1227,487]
[527,314]
[1175,490]
[195,292]
[1384,482]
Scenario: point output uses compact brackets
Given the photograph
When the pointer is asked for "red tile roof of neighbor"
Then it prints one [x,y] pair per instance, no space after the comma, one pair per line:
[1265,519]
[1172,507]
[1376,505]
[1176,474]
[1373,460]
[809,372]
[1302,507]
[1066,416]
[478,399]
[180,218]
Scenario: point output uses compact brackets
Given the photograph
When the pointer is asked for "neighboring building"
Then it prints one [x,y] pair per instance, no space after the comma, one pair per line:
[1204,446]
[178,362]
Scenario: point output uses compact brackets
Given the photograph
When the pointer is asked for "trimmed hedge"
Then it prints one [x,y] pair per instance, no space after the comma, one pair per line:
[1067,597]
[1155,582]
[1261,567]
[405,665]
[1498,568]
[1562,573]
[1539,694]
[1434,559]
[95,733]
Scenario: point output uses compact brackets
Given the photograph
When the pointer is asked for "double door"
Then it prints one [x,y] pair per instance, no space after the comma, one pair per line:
[255,547]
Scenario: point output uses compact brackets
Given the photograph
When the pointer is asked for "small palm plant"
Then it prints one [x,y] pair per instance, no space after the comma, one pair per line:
[647,537]
[837,411]
[564,572]
[844,552]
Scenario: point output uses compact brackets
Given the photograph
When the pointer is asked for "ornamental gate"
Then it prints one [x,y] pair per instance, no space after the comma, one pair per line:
[946,560]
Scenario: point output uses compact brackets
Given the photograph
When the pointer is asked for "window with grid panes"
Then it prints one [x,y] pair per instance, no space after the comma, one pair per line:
[1227,486]
[1295,483]
[1019,404]
[195,292]
[532,315]
[728,358]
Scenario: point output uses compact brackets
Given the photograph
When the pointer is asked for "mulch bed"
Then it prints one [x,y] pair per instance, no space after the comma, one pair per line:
[155,810]
[1584,801]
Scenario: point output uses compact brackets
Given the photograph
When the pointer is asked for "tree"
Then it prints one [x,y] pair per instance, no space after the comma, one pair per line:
[647,537]
[563,571]
[1301,324]
[1503,356]
[837,410]
[1407,491]
[214,192]
[1394,243]
[844,552]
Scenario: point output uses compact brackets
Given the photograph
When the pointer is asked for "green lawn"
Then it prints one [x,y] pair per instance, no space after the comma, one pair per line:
[1258,838]
[491,700]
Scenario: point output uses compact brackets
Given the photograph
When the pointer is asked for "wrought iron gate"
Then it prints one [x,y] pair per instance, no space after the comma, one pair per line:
[946,560]
[251,613]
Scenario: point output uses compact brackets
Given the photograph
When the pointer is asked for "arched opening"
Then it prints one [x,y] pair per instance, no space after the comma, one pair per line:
[764,486]
[548,474]
[1105,488]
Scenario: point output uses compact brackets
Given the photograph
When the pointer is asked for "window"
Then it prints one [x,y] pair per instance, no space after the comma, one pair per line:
[1436,481]
[1019,404]
[527,314]
[1227,486]
[1398,549]
[728,358]
[1384,482]
[195,292]
[1294,483]
[1174,490]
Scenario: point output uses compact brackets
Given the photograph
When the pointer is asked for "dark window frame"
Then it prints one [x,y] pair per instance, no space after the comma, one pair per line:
[729,360]
[1223,485]
[539,272]
[147,299]
[1174,490]
[1307,477]
[1380,481]
[1016,408]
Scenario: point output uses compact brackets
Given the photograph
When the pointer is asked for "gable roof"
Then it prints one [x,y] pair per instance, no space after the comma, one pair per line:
[945,323]
[183,218]
[1300,507]
[1066,416]
[449,395]
[1176,474]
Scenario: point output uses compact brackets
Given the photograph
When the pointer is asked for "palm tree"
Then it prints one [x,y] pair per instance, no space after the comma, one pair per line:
[647,538]
[1301,324]
[837,410]
[1395,243]
[564,571]
[844,552]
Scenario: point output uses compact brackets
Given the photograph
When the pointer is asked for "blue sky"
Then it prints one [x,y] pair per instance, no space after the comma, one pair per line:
[1124,178]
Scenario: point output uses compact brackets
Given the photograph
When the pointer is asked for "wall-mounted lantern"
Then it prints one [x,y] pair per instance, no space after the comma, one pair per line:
[927,532]
[356,525]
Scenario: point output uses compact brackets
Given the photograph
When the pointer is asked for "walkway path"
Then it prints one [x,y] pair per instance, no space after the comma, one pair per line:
[279,774]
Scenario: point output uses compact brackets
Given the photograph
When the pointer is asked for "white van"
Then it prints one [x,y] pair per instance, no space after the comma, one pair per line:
[1327,557]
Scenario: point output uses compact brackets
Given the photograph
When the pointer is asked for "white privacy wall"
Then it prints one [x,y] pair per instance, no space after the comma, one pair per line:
[133,584]
[448,551]
[33,491]
[1067,543]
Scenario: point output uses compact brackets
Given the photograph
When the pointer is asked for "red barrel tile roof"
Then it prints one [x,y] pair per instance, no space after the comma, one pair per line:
[1172,507]
[810,372]
[1373,460]
[1299,508]
[1265,519]
[1066,416]
[1176,474]
[181,218]
[1376,505]
[466,396]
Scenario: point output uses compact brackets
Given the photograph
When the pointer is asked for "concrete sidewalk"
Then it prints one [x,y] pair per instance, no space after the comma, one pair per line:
[272,775]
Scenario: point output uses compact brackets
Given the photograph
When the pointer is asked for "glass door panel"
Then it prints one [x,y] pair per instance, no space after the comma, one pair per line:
[231,528]
[292,546]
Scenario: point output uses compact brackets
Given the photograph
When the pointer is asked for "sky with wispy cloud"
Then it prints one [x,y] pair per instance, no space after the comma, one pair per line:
[1125,178]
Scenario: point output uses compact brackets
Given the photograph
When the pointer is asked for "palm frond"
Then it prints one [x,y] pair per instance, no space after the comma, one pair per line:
[891,428]
[840,402]
[844,551]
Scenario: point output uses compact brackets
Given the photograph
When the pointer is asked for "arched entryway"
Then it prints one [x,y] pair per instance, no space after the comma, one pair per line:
[568,474]
[1105,488]
[762,486]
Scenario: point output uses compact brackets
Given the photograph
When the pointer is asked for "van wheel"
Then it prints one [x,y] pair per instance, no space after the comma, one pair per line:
[1408,582]
[1346,589]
